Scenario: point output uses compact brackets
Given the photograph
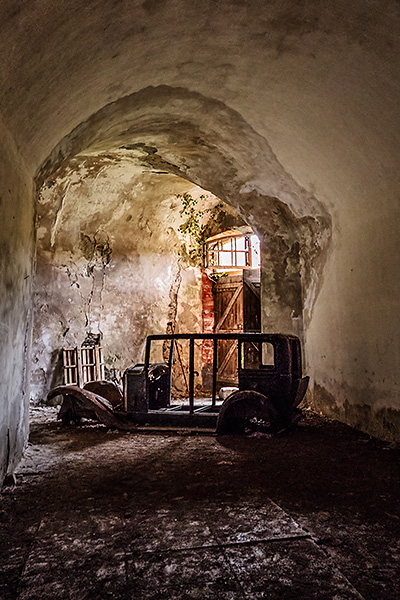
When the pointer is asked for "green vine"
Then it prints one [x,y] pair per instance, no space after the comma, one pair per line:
[217,276]
[196,232]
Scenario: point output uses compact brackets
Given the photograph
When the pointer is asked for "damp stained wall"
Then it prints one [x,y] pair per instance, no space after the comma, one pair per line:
[16,258]
[111,261]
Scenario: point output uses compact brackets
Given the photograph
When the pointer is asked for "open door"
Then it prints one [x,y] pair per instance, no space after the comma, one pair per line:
[237,309]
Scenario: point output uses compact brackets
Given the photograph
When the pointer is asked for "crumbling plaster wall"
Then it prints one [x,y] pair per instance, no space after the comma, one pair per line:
[206,142]
[111,261]
[16,258]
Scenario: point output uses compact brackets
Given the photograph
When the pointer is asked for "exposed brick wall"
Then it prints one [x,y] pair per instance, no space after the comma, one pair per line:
[207,317]
[208,327]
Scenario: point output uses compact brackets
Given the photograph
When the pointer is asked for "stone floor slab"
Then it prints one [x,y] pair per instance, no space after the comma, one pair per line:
[170,529]
[141,531]
[232,524]
[291,570]
[64,569]
[203,574]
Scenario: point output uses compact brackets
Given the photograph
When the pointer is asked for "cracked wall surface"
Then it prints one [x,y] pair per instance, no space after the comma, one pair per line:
[111,261]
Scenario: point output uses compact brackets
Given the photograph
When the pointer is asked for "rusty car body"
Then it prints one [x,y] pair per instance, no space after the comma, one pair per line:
[270,388]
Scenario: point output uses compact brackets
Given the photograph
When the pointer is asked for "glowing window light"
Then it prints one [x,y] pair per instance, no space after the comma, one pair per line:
[233,252]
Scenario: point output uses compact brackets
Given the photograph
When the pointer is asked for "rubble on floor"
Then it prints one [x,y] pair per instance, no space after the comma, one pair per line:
[98,513]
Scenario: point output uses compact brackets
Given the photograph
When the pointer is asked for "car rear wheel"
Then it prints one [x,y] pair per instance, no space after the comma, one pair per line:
[247,411]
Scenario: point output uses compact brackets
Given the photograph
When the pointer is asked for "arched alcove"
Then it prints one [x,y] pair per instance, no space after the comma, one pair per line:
[180,136]
[207,143]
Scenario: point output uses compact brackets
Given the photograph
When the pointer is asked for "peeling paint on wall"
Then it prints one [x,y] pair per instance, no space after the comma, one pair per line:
[114,266]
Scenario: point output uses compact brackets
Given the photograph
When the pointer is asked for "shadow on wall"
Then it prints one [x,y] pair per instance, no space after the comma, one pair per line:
[383,422]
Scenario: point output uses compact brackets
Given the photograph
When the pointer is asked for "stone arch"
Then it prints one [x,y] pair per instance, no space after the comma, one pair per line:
[207,143]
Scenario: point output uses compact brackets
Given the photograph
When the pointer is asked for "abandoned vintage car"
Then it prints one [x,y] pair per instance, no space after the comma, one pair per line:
[270,387]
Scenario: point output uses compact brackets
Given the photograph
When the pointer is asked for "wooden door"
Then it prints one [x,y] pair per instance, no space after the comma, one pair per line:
[228,318]
[236,309]
[251,300]
[251,315]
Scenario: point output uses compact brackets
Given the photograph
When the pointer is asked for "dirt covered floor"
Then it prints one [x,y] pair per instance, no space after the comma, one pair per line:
[96,514]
